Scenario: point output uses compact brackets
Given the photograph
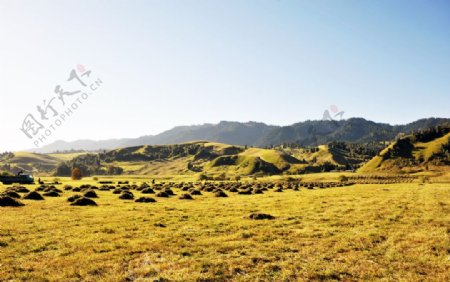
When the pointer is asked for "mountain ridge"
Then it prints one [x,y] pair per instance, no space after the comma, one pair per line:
[306,133]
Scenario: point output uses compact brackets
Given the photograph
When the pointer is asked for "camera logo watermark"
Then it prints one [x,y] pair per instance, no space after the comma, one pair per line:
[334,111]
[53,112]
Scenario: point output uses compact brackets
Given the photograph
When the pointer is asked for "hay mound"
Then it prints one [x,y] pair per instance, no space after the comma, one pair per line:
[40,188]
[51,194]
[220,194]
[68,187]
[21,189]
[186,197]
[259,216]
[126,195]
[33,196]
[147,191]
[73,198]
[117,191]
[11,194]
[83,202]
[195,192]
[169,192]
[90,194]
[52,188]
[145,200]
[258,191]
[162,194]
[6,201]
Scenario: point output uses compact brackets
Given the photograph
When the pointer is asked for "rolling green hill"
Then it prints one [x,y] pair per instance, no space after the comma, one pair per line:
[422,151]
[215,160]
[33,162]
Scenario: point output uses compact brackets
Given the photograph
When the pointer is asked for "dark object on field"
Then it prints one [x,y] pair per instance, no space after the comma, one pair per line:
[186,197]
[83,202]
[19,178]
[209,189]
[104,188]
[195,192]
[51,194]
[68,187]
[169,192]
[33,196]
[258,191]
[90,194]
[106,182]
[123,182]
[52,189]
[6,201]
[259,216]
[159,225]
[148,191]
[220,194]
[73,198]
[126,195]
[85,186]
[145,200]
[40,188]
[11,194]
[162,194]
[279,189]
[76,189]
[245,192]
[117,191]
[19,189]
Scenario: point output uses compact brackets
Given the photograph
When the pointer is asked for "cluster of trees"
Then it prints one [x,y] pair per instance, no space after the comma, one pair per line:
[430,134]
[88,164]
[6,156]
[363,151]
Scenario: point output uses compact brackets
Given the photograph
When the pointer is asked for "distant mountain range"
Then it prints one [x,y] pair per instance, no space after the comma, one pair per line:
[307,133]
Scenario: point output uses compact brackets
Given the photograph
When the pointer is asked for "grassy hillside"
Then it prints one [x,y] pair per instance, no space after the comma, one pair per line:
[33,162]
[422,151]
[212,159]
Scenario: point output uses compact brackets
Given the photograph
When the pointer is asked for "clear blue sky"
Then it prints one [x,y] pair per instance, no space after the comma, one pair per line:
[168,63]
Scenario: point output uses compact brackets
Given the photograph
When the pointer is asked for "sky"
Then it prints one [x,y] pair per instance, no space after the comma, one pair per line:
[167,63]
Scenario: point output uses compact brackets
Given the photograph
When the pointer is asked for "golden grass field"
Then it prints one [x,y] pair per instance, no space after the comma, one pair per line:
[392,232]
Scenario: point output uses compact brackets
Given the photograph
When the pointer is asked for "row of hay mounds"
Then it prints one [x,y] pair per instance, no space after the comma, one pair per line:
[124,190]
[10,197]
[382,179]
